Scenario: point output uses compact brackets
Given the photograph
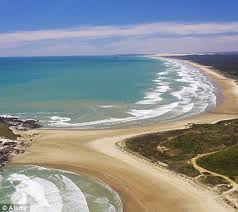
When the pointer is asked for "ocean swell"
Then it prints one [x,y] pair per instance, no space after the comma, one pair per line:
[179,90]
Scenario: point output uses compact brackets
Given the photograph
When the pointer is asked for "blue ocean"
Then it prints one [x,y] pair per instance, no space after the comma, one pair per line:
[102,91]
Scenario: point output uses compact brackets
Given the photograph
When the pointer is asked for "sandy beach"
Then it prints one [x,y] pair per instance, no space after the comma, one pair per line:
[141,185]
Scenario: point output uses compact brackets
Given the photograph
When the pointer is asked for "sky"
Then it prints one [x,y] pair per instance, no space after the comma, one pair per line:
[101,27]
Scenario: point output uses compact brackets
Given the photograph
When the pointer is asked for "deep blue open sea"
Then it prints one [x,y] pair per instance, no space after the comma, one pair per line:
[102,91]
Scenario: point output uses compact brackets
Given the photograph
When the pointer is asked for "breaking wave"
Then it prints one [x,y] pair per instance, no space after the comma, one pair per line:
[179,90]
[50,190]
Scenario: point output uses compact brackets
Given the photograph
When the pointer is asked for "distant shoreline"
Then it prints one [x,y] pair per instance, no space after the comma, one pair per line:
[143,122]
[155,92]
[141,186]
[223,106]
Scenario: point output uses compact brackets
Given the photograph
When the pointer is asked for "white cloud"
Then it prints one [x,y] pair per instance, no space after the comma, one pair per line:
[177,44]
[161,36]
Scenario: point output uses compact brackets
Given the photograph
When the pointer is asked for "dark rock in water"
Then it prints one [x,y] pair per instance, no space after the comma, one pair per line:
[20,124]
[31,124]
[10,143]
[6,150]
[3,158]
[19,151]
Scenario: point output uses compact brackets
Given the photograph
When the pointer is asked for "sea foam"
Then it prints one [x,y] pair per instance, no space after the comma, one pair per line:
[53,190]
[44,196]
[73,198]
[37,192]
[180,90]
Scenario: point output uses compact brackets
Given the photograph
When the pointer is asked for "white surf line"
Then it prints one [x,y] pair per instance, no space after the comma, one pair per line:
[45,196]
[198,87]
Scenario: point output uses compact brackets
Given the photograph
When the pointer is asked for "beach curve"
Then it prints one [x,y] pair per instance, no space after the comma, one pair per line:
[142,187]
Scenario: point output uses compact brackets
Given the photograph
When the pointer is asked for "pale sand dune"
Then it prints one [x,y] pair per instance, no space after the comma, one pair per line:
[141,185]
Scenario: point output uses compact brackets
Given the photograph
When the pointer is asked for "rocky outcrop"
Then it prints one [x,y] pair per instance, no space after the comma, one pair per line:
[9,147]
[9,143]
[20,124]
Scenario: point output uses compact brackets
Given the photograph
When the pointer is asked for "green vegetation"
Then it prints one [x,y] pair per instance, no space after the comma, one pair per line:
[184,168]
[6,132]
[224,162]
[212,180]
[226,63]
[176,148]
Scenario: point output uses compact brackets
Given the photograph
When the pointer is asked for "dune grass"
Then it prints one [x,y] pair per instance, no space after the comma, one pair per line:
[224,162]
[176,148]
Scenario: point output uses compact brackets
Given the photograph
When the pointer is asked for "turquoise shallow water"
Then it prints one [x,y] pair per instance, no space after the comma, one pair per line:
[110,91]
[51,190]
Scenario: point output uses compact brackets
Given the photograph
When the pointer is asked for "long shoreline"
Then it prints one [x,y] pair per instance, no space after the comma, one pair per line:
[210,74]
[141,186]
